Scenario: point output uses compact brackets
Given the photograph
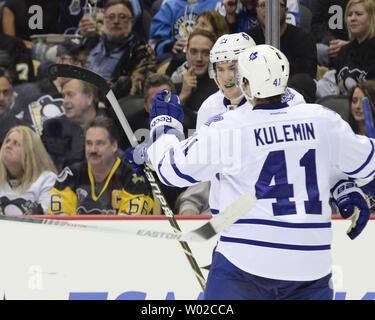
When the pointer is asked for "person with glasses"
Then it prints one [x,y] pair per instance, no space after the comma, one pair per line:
[118,54]
[298,46]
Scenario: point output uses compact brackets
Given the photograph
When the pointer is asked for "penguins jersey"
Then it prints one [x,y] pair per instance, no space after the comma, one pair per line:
[122,192]
[35,200]
[288,158]
[217,104]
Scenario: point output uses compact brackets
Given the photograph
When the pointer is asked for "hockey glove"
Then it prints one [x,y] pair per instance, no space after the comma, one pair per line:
[166,115]
[353,205]
[136,158]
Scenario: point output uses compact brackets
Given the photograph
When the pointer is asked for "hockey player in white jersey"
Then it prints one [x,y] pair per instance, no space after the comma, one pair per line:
[288,157]
[223,60]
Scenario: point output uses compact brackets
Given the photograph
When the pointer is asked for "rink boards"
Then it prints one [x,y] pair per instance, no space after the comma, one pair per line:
[47,262]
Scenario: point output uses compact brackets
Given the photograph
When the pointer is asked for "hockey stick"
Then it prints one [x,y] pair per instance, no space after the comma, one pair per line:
[70,71]
[368,118]
[211,228]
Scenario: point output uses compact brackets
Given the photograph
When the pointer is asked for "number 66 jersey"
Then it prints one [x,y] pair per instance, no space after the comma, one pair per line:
[288,157]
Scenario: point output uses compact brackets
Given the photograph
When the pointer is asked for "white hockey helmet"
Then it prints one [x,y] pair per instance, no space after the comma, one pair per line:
[227,48]
[265,68]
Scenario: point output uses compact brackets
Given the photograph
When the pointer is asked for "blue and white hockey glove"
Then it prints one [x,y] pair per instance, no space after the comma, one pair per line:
[353,205]
[166,115]
[136,158]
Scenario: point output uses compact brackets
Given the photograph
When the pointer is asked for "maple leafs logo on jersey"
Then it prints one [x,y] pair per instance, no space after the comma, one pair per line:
[214,119]
[253,56]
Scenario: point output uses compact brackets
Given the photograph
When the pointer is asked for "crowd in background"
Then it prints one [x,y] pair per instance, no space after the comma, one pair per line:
[61,146]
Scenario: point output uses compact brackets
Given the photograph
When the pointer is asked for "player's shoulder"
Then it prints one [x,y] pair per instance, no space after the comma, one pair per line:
[292,97]
[314,110]
[215,98]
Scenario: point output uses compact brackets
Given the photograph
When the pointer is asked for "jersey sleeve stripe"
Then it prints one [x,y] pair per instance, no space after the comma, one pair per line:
[161,175]
[178,172]
[365,163]
[285,224]
[277,245]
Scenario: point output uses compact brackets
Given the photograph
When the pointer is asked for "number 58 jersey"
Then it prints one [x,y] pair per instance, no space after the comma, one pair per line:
[289,158]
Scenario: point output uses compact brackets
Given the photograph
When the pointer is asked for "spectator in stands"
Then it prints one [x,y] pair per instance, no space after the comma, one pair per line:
[87,27]
[209,20]
[63,136]
[27,173]
[23,18]
[298,46]
[329,29]
[7,120]
[15,57]
[356,115]
[118,54]
[356,61]
[191,79]
[71,14]
[241,15]
[212,21]
[139,120]
[174,22]
[41,100]
[240,20]
[102,184]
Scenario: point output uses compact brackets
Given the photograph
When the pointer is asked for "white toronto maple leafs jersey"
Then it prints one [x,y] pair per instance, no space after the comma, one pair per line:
[288,157]
[216,104]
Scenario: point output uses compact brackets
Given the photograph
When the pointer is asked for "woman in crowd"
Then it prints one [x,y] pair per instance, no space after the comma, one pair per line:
[27,173]
[356,61]
[356,116]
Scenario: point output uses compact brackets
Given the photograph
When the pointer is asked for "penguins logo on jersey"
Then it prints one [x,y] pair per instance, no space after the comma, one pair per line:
[347,78]
[75,7]
[19,206]
[43,109]
[184,25]
[64,174]
[81,194]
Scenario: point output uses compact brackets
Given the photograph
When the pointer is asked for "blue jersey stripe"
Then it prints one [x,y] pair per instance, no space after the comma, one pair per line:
[277,245]
[285,224]
[178,172]
[365,163]
[165,180]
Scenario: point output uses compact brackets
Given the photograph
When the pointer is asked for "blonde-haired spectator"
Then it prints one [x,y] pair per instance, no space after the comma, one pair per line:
[27,173]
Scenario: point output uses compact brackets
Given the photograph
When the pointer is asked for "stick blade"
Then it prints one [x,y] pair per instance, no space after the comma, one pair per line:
[222,220]
[71,71]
